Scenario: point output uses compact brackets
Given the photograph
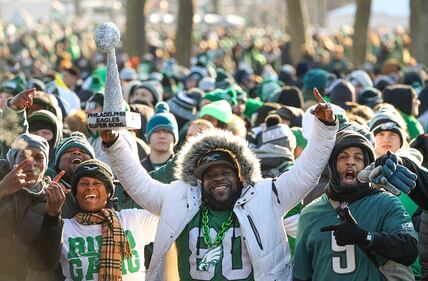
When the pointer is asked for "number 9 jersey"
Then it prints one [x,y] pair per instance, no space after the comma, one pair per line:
[317,255]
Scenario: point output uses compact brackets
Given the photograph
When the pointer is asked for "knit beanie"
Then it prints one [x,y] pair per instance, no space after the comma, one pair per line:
[287,74]
[162,119]
[292,114]
[386,120]
[414,79]
[128,74]
[401,97]
[75,140]
[229,95]
[347,138]
[38,84]
[315,78]
[341,91]
[262,112]
[183,105]
[277,133]
[383,81]
[289,95]
[251,105]
[222,75]
[360,77]
[220,110]
[13,86]
[267,89]
[370,97]
[207,84]
[154,87]
[198,72]
[94,169]
[335,190]
[27,140]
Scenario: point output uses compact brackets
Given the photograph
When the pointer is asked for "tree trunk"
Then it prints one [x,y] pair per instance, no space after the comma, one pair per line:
[418,30]
[216,6]
[361,32]
[77,9]
[183,36]
[135,37]
[298,22]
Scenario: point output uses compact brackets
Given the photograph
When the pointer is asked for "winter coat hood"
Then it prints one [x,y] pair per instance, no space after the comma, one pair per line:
[198,146]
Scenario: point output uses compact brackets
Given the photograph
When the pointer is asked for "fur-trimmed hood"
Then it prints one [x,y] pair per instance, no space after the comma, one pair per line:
[201,144]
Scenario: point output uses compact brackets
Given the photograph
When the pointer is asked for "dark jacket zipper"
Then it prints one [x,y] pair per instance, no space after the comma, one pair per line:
[256,233]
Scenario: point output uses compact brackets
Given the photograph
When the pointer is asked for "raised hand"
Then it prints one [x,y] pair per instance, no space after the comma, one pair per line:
[396,175]
[15,180]
[55,196]
[323,110]
[23,100]
[109,136]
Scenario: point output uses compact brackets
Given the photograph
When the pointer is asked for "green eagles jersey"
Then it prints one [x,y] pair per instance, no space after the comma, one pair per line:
[317,255]
[234,263]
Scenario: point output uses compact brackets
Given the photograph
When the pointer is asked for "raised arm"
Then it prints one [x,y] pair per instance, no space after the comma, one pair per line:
[143,189]
[300,179]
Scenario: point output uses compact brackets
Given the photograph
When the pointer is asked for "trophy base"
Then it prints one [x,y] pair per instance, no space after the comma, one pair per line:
[114,120]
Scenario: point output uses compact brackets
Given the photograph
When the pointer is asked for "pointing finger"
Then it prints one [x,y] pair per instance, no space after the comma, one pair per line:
[58,177]
[20,166]
[318,96]
[329,228]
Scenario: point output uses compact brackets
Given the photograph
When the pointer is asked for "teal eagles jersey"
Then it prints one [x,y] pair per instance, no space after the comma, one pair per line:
[234,263]
[318,257]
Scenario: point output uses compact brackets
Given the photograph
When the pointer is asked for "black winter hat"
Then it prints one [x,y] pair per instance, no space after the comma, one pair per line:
[94,169]
[348,138]
[341,91]
[400,96]
[289,95]
[262,112]
[370,97]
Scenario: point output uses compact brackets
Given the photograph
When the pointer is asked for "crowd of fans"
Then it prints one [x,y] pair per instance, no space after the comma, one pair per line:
[246,84]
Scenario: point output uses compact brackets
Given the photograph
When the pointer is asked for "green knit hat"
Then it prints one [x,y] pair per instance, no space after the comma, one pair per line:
[229,95]
[162,119]
[13,86]
[315,78]
[267,89]
[251,105]
[220,110]
[75,140]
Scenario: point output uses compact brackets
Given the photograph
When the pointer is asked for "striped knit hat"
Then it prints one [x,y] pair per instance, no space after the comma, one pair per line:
[76,139]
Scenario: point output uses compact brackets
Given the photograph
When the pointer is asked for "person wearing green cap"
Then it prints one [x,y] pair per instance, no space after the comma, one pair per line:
[219,113]
[314,78]
[229,95]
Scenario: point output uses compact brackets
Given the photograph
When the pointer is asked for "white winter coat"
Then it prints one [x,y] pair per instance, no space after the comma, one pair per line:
[259,210]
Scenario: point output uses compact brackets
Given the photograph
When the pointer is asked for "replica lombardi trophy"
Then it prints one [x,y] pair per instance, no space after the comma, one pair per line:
[114,116]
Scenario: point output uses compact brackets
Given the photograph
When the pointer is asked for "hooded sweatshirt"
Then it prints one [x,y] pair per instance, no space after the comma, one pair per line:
[43,119]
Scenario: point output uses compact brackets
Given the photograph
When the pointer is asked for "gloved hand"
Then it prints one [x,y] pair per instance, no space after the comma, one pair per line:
[348,232]
[397,175]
